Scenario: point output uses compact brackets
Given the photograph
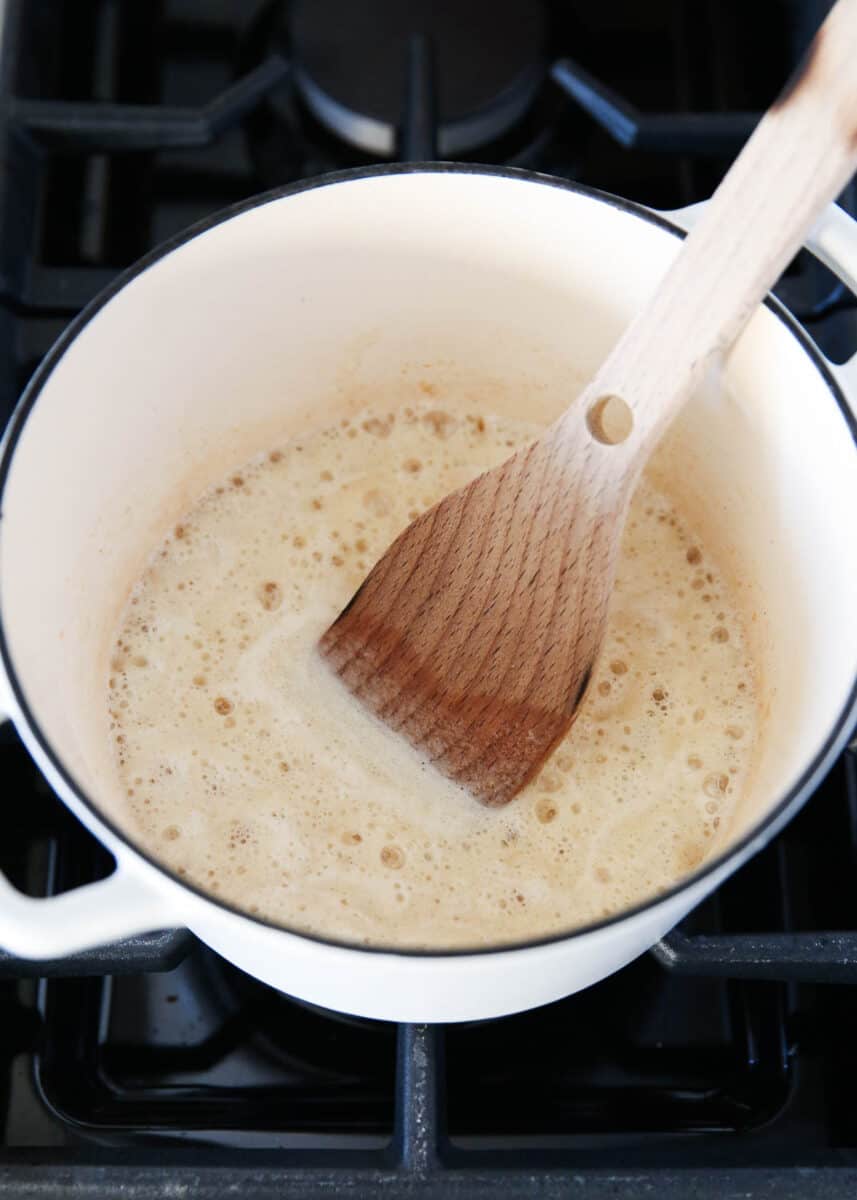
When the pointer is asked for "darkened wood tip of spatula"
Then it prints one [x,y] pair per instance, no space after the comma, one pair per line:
[487,744]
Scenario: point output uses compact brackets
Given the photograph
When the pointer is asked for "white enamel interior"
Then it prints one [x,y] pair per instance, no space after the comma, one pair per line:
[312,304]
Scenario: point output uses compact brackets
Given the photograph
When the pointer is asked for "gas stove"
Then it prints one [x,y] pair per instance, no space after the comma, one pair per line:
[723,1062]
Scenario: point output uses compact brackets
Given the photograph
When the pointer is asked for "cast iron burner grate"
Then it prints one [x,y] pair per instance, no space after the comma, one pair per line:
[192,1050]
[721,1063]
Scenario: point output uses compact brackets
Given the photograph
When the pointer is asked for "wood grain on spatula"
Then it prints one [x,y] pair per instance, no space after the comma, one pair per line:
[476,634]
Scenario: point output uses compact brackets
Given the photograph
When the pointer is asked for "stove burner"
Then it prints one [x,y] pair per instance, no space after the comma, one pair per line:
[351,66]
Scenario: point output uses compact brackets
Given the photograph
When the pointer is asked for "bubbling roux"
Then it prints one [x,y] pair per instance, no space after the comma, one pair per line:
[247,767]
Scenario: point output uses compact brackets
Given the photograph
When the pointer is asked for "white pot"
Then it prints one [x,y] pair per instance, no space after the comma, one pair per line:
[309,300]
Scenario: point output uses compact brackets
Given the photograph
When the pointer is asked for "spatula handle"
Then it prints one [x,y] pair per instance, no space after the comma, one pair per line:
[798,159]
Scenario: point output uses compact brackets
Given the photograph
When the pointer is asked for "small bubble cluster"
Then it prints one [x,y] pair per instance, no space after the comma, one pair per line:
[245,766]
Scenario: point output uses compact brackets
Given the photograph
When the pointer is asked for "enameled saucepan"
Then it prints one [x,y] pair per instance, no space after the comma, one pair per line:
[298,305]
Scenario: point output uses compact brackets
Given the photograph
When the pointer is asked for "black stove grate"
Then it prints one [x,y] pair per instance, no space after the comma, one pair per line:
[722,1062]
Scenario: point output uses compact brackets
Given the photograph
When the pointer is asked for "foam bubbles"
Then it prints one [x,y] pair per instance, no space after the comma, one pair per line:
[546,810]
[246,766]
[716,784]
[393,857]
[270,595]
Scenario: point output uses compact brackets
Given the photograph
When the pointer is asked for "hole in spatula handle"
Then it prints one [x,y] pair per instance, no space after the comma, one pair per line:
[610,420]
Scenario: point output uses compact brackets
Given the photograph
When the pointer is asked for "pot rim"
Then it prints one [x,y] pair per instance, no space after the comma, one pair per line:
[751,841]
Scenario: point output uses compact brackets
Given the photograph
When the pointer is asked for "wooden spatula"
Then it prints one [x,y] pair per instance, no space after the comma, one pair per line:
[476,633]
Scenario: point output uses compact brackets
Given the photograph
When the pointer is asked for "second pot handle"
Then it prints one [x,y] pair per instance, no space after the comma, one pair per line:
[833,240]
[92,915]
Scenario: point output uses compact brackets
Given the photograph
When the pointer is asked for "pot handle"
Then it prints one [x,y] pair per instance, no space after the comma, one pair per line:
[54,926]
[833,240]
[92,915]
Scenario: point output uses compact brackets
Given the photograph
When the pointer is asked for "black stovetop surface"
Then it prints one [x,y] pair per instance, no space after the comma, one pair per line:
[723,1062]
